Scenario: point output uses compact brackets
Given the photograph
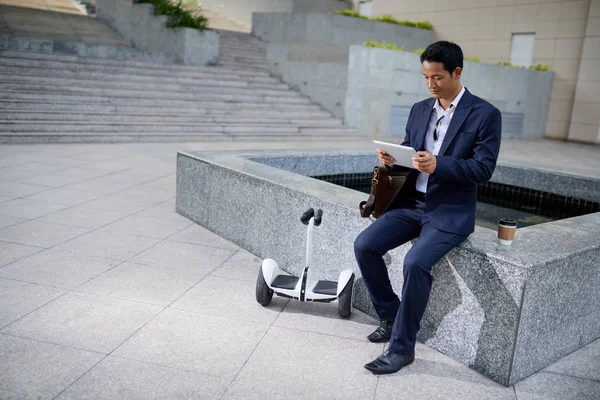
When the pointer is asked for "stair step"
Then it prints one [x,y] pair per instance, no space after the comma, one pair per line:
[212,73]
[116,137]
[203,109]
[138,88]
[18,74]
[119,104]
[83,93]
[13,67]
[75,62]
[65,127]
[182,118]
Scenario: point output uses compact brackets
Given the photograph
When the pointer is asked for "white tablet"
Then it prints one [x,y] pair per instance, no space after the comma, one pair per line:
[402,154]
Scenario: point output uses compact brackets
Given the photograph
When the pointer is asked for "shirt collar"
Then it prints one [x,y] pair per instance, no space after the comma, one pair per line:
[438,108]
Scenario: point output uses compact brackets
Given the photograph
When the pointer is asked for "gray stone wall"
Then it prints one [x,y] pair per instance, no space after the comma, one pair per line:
[378,79]
[334,29]
[319,72]
[369,81]
[137,24]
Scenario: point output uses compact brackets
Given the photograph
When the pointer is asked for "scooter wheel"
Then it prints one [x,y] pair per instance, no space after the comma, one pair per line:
[264,294]
[345,299]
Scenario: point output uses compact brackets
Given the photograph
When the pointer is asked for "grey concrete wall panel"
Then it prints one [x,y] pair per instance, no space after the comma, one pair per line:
[319,6]
[378,79]
[504,311]
[319,72]
[335,29]
[146,31]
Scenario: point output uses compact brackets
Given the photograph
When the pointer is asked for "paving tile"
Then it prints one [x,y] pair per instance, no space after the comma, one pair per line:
[584,363]
[144,283]
[236,299]
[17,189]
[197,234]
[34,370]
[28,209]
[100,186]
[10,252]
[437,376]
[109,245]
[20,298]
[551,386]
[147,226]
[184,256]
[119,378]
[66,196]
[9,221]
[166,210]
[84,217]
[40,234]
[25,170]
[324,318]
[260,392]
[216,346]
[242,266]
[57,268]
[124,204]
[310,365]
[85,321]
[420,386]
[64,177]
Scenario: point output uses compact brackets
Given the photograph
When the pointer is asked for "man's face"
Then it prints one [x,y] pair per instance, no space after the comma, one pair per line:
[440,82]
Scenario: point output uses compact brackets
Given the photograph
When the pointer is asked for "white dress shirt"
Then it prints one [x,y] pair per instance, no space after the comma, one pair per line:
[439,122]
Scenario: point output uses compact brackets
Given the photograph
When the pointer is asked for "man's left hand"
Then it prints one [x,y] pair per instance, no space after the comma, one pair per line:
[425,162]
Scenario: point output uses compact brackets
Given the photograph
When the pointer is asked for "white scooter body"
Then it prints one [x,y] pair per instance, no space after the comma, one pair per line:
[305,287]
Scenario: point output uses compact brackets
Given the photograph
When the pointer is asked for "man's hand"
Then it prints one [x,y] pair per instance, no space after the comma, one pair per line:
[425,162]
[384,157]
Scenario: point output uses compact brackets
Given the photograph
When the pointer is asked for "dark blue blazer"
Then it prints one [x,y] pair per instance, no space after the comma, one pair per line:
[467,157]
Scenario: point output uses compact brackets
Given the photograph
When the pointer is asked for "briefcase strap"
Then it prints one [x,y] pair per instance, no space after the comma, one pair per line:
[367,207]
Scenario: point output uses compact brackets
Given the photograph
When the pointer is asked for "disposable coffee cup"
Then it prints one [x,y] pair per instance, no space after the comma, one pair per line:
[506,231]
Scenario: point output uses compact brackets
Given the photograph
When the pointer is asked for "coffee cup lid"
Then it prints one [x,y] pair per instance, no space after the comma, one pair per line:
[507,222]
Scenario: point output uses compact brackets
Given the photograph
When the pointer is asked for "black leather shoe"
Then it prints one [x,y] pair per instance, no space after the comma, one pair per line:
[388,363]
[383,332]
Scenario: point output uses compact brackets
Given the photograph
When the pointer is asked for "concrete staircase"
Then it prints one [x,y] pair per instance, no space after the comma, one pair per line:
[54,97]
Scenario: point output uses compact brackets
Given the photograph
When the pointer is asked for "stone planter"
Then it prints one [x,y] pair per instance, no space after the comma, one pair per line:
[373,89]
[335,29]
[138,24]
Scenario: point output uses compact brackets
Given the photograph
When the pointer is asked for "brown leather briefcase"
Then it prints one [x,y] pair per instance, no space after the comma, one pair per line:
[384,186]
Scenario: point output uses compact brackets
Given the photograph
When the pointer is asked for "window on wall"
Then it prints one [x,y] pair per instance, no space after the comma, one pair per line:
[522,49]
[366,8]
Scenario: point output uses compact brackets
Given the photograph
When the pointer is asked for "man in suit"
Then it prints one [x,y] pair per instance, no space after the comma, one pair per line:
[457,137]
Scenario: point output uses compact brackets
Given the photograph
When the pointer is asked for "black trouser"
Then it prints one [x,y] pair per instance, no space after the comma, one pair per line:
[394,228]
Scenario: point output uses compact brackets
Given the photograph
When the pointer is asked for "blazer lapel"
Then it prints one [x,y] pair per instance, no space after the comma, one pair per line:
[461,113]
[423,124]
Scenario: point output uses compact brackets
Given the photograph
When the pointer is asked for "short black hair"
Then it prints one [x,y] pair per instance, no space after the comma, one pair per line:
[448,53]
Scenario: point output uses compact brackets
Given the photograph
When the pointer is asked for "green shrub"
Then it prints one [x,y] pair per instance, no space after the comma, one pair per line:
[383,45]
[508,64]
[425,25]
[178,17]
[387,19]
[417,51]
[351,13]
[540,67]
[473,59]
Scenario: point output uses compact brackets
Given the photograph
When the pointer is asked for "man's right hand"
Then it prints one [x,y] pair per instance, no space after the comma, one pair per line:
[384,157]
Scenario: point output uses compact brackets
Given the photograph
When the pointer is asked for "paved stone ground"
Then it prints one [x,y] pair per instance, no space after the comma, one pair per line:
[106,292]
